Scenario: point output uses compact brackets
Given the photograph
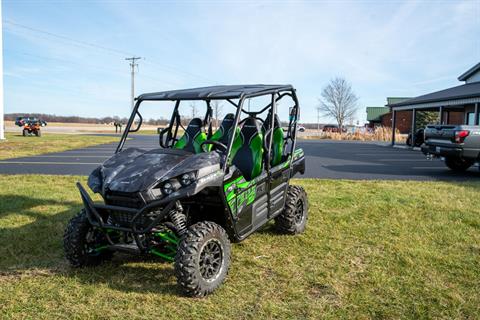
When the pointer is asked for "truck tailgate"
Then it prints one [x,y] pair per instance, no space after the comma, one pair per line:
[443,135]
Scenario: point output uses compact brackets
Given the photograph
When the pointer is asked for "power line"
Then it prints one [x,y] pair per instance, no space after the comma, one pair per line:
[103,48]
[116,51]
[112,71]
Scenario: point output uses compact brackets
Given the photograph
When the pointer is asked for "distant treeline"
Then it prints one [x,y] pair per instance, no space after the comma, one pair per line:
[110,120]
[76,119]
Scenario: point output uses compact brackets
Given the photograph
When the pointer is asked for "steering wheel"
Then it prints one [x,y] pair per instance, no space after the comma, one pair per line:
[215,143]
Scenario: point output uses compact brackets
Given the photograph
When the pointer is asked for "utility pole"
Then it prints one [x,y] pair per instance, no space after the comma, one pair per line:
[2,123]
[133,65]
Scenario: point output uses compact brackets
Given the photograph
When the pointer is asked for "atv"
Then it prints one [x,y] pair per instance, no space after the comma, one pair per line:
[32,127]
[200,190]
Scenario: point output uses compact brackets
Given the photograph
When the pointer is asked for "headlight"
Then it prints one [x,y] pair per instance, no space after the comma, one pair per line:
[174,184]
[187,178]
[167,188]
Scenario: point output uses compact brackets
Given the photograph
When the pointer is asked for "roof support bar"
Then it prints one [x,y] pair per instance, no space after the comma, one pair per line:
[414,120]
[394,123]
[477,106]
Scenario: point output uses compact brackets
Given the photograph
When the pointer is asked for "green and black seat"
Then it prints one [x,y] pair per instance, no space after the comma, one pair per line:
[277,142]
[193,137]
[249,156]
[223,133]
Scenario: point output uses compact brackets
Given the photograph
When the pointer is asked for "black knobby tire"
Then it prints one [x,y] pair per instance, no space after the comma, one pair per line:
[78,250]
[38,133]
[25,132]
[202,259]
[294,216]
[458,164]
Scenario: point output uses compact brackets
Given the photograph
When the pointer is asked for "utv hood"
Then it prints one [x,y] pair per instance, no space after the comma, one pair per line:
[134,170]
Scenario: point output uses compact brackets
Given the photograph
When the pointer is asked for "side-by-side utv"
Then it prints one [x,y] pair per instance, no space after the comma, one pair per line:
[186,200]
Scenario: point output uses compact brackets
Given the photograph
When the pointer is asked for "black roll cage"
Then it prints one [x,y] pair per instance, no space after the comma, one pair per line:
[175,121]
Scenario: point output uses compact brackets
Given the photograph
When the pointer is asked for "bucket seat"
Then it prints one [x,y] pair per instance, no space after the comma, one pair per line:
[224,132]
[277,142]
[193,137]
[249,157]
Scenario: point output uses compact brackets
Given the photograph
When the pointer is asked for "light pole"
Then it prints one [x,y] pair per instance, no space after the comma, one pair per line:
[2,123]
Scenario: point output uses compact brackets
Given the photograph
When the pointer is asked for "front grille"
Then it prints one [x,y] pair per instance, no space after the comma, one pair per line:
[124,219]
[128,200]
[124,199]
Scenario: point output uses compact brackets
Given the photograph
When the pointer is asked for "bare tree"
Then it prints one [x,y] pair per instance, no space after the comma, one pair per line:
[193,107]
[339,101]
[217,111]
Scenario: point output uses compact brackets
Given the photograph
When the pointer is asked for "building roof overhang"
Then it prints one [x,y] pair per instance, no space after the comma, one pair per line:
[470,72]
[455,96]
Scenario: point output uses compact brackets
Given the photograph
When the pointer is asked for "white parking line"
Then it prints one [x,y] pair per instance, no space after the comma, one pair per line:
[56,163]
[62,156]
[90,149]
[401,160]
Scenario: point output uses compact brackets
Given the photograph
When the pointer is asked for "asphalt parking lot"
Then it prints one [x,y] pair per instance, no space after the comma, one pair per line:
[325,159]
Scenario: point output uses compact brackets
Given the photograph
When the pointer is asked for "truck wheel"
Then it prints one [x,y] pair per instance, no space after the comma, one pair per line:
[25,132]
[203,259]
[409,140]
[458,164]
[293,219]
[83,244]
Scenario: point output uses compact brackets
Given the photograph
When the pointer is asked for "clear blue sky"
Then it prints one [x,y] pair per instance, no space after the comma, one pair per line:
[384,48]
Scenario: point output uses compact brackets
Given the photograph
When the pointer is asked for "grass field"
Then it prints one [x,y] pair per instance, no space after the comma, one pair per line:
[17,145]
[371,250]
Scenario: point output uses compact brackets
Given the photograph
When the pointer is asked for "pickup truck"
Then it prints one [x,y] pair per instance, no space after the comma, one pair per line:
[458,144]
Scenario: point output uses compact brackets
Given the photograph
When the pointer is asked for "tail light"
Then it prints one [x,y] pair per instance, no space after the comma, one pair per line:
[461,135]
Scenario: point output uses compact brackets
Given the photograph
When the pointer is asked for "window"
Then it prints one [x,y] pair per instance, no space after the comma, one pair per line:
[471,118]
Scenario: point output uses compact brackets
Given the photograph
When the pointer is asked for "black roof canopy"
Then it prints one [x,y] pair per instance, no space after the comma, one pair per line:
[216,92]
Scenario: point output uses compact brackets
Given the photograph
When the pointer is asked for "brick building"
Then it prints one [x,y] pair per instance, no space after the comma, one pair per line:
[456,105]
[382,116]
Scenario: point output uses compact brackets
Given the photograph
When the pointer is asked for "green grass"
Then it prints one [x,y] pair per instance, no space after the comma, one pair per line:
[371,250]
[17,145]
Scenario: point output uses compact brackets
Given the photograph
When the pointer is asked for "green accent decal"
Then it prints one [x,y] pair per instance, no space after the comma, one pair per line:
[237,199]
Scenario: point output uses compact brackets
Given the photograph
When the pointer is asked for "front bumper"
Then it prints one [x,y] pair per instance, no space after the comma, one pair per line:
[98,214]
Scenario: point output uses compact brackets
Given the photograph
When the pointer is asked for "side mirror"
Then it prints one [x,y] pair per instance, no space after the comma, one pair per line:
[293,114]
[137,123]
